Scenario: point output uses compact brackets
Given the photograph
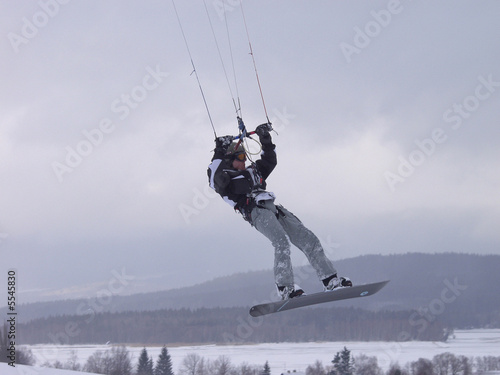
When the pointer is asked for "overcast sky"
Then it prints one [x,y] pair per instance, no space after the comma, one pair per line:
[387,115]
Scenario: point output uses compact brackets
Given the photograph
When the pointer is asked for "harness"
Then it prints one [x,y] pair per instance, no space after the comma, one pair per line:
[258,197]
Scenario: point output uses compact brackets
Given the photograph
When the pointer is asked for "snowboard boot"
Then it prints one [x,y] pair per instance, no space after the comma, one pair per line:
[334,282]
[286,292]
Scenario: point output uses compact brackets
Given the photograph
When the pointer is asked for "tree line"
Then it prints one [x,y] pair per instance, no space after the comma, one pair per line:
[232,325]
[441,364]
[117,361]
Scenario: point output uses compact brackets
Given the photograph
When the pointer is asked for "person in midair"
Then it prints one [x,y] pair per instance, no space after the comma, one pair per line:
[244,188]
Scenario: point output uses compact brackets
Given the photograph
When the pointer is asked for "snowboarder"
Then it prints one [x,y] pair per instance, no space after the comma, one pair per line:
[244,189]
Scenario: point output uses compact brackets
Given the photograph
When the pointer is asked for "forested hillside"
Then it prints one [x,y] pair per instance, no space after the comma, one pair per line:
[231,325]
[459,288]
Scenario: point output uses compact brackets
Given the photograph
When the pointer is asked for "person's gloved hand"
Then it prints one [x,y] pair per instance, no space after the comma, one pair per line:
[263,132]
[263,129]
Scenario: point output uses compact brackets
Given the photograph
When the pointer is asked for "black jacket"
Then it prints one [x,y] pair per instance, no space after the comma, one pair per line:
[238,187]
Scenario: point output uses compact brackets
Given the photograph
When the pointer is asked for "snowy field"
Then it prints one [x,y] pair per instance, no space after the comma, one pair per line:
[284,357]
[5,369]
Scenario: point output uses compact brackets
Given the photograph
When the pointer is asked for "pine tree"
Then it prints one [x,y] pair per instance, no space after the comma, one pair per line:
[267,369]
[150,366]
[342,363]
[164,364]
[145,364]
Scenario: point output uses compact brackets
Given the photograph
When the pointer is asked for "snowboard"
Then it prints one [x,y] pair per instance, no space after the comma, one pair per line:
[338,294]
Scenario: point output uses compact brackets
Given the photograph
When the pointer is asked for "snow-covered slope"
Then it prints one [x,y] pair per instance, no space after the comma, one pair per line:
[5,369]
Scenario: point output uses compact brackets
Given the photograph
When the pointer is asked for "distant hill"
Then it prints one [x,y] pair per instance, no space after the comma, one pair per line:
[230,325]
[463,288]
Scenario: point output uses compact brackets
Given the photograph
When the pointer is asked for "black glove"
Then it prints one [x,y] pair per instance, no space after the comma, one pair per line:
[264,129]
[222,143]
[263,132]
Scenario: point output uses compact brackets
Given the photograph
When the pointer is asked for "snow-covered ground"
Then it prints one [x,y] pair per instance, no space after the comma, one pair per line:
[5,369]
[297,356]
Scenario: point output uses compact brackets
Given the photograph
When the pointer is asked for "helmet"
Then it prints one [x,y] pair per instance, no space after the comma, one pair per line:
[235,149]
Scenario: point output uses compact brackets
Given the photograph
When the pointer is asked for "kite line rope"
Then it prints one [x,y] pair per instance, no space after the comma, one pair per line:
[237,107]
[253,59]
[194,68]
[236,101]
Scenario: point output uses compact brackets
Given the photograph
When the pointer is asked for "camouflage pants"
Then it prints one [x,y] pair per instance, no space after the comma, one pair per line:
[282,227]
